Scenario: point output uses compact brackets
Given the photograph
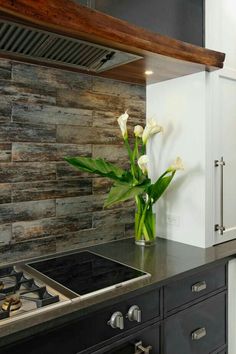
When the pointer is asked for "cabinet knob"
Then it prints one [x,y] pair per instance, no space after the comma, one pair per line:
[116,320]
[199,333]
[140,349]
[196,288]
[134,314]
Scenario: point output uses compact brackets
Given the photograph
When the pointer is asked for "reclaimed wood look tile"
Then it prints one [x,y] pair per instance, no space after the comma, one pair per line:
[83,135]
[89,100]
[5,69]
[49,227]
[47,152]
[5,108]
[112,217]
[118,88]
[14,132]
[35,75]
[23,172]
[5,234]
[5,193]
[44,114]
[5,152]
[13,212]
[18,92]
[25,191]
[27,249]
[109,119]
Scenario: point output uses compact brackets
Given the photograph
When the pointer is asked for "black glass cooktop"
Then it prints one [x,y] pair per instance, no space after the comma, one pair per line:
[85,272]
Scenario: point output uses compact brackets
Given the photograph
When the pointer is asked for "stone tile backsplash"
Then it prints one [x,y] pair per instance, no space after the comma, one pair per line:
[45,115]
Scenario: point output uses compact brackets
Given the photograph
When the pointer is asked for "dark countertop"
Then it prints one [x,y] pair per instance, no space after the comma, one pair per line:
[163,261]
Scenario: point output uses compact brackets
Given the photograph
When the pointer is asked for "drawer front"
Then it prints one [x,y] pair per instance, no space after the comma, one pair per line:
[91,330]
[148,339]
[182,291]
[199,329]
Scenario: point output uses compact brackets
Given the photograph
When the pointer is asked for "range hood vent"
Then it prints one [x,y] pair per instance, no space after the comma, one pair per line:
[29,42]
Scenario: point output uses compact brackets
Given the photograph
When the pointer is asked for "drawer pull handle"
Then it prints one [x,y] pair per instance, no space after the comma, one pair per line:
[199,333]
[196,288]
[140,349]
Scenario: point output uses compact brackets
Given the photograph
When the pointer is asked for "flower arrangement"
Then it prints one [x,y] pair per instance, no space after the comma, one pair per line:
[133,183]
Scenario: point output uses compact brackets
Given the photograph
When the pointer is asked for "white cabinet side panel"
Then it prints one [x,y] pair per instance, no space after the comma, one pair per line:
[180,106]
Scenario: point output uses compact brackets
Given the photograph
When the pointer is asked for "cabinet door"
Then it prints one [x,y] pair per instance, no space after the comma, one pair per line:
[144,341]
[226,147]
[200,329]
[181,19]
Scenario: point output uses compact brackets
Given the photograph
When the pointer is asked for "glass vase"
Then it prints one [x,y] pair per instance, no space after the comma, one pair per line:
[145,224]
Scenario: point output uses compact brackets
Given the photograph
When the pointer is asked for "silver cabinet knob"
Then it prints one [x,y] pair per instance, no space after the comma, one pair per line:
[196,288]
[134,314]
[116,320]
[199,333]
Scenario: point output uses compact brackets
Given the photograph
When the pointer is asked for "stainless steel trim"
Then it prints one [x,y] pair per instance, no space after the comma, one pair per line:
[199,333]
[73,295]
[47,47]
[220,227]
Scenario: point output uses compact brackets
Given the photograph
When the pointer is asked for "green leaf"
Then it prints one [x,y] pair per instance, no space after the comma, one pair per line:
[157,189]
[121,192]
[100,167]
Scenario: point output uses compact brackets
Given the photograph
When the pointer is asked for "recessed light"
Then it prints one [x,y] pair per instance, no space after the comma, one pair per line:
[148,72]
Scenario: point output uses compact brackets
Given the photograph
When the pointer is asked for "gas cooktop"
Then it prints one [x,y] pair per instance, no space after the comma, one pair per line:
[84,273]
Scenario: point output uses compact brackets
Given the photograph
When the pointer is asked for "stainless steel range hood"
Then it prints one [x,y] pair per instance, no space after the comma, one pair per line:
[28,42]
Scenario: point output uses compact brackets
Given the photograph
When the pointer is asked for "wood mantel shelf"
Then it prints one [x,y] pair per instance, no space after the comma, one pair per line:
[168,58]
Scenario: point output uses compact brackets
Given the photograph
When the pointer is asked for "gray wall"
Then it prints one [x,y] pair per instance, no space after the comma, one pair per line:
[181,19]
[46,114]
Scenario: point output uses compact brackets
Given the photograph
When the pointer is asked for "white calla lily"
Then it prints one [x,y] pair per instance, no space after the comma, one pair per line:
[138,131]
[122,121]
[151,128]
[177,165]
[143,163]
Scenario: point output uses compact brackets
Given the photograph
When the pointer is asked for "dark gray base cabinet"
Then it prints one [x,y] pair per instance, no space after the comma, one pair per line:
[199,329]
[188,315]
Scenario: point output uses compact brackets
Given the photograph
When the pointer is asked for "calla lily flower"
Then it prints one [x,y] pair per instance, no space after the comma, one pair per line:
[151,128]
[177,165]
[122,121]
[138,131]
[143,163]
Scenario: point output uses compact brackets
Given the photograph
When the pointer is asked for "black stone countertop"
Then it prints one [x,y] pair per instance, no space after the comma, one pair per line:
[163,261]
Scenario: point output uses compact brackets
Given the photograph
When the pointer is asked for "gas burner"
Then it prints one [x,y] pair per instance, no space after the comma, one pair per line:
[12,303]
[21,294]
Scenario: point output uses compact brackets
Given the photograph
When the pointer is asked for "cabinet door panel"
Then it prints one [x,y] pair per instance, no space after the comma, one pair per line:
[226,147]
[149,337]
[199,329]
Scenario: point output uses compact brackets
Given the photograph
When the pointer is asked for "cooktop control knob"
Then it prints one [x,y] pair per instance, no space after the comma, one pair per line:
[134,314]
[116,320]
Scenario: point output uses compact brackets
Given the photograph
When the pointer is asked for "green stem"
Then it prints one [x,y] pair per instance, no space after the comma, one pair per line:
[142,221]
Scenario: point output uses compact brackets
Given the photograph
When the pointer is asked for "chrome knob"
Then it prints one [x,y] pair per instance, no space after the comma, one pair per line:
[116,320]
[134,314]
